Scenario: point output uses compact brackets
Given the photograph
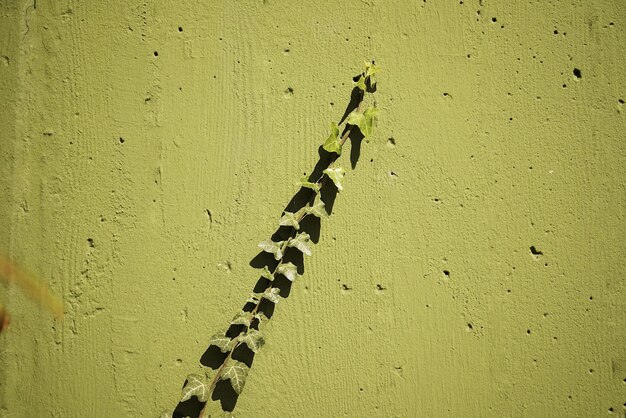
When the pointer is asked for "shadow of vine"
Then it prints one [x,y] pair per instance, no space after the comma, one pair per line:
[213,357]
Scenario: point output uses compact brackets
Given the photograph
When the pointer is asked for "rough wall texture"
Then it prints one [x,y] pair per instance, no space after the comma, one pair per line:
[146,148]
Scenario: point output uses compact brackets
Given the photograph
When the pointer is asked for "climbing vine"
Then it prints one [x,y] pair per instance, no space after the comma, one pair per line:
[250,322]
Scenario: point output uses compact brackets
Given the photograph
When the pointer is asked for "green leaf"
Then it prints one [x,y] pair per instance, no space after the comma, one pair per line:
[242,318]
[261,316]
[318,209]
[301,242]
[271,294]
[290,219]
[267,273]
[255,297]
[361,83]
[196,386]
[273,248]
[236,372]
[224,343]
[289,270]
[336,175]
[356,118]
[304,182]
[333,142]
[371,117]
[365,120]
[370,70]
[253,339]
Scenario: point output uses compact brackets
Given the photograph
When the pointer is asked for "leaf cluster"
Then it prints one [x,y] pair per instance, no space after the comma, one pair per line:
[250,323]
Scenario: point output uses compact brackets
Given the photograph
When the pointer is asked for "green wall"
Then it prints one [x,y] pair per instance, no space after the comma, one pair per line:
[499,146]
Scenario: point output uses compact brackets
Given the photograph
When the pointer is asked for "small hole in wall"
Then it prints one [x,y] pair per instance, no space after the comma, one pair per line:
[446,273]
[122,140]
[90,242]
[556,32]
[180,28]
[591,371]
[611,410]
[578,73]
[494,20]
[527,332]
[620,101]
[156,53]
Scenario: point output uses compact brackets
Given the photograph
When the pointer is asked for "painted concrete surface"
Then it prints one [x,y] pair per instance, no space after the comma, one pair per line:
[474,263]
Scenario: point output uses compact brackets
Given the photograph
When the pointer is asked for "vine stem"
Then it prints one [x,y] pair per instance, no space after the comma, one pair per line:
[320,183]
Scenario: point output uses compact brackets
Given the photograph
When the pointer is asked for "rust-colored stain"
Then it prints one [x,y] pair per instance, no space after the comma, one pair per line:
[36,289]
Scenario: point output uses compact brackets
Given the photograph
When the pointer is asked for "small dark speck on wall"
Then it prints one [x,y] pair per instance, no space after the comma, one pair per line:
[534,251]
[578,73]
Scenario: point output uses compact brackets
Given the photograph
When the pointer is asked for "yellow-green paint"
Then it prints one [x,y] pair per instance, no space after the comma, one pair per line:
[176,165]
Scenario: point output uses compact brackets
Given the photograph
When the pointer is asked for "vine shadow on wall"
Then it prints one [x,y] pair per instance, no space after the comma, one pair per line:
[213,357]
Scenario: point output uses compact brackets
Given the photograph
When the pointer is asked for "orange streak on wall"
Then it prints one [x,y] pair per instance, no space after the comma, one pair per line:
[36,289]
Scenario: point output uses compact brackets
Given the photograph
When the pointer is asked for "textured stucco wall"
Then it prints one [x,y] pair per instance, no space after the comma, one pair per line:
[118,131]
